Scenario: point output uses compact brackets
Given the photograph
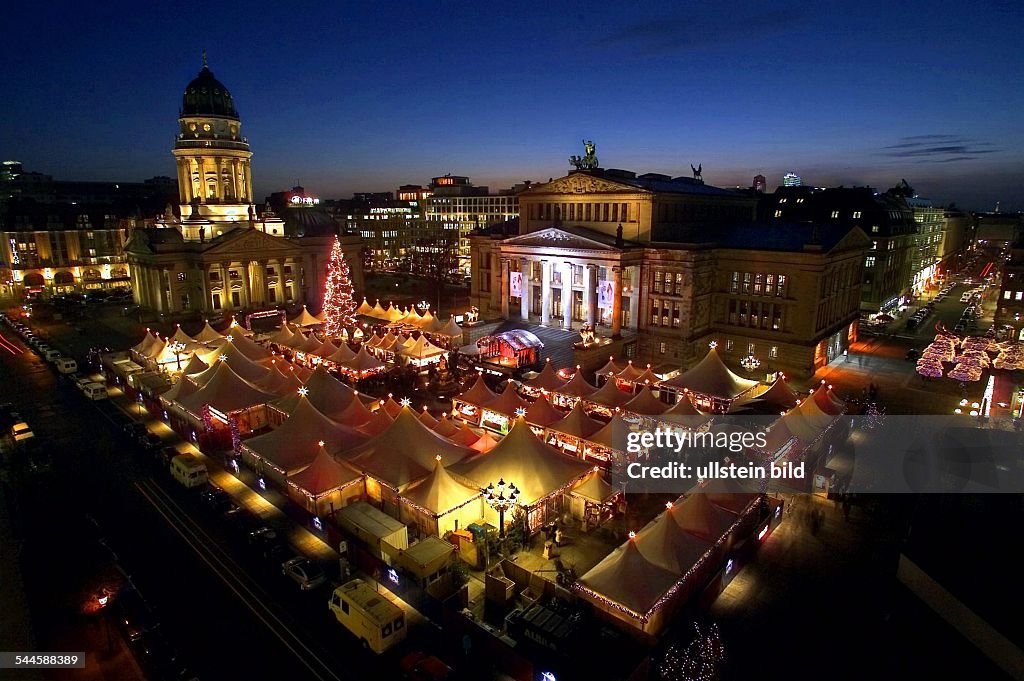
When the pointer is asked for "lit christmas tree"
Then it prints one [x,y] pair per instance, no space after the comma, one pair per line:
[339,305]
[701,660]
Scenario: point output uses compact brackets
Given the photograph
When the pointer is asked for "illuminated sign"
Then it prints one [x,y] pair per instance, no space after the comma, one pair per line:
[762,533]
[317,524]
[393,575]
[304,201]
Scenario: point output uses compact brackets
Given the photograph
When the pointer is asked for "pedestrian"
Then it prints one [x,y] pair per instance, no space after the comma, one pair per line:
[558,536]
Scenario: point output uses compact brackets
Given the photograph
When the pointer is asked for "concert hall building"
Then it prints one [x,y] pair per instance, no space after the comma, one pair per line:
[665,265]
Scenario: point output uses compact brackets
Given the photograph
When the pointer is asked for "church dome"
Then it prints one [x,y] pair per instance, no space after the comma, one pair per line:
[206,96]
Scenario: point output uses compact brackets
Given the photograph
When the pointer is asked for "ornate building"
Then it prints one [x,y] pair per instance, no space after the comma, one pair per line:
[219,254]
[670,264]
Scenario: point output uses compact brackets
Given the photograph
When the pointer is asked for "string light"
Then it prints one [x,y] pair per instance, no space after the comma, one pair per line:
[339,305]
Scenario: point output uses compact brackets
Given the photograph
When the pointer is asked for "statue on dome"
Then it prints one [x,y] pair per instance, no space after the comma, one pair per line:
[589,160]
[587,334]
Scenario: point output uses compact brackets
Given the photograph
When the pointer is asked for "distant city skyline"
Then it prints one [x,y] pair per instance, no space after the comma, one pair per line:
[375,97]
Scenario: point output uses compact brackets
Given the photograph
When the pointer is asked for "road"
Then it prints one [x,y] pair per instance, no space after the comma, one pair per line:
[230,616]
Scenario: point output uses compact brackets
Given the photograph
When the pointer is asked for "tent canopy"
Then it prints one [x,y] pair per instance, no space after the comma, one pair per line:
[304,318]
[207,334]
[508,402]
[227,392]
[609,395]
[626,577]
[542,414]
[711,377]
[577,386]
[577,424]
[547,379]
[439,492]
[293,445]
[610,368]
[329,395]
[325,474]
[645,403]
[478,394]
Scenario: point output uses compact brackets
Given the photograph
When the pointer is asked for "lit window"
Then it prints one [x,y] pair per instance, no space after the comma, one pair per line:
[1006,295]
[874,245]
[778,213]
[1019,296]
[728,346]
[856,214]
[773,352]
[750,348]
[799,200]
[664,348]
[869,261]
[835,214]
[182,276]
[874,229]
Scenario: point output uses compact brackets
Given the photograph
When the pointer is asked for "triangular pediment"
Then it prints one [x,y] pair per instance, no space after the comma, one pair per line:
[553,237]
[247,241]
[854,239]
[583,183]
[137,244]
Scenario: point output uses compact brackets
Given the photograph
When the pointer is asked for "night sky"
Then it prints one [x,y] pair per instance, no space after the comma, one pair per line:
[364,97]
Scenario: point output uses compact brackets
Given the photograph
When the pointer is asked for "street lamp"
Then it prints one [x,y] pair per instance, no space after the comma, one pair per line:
[496,498]
[178,348]
[750,362]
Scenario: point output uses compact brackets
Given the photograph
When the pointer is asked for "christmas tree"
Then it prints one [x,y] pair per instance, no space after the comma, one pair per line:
[339,304]
[700,660]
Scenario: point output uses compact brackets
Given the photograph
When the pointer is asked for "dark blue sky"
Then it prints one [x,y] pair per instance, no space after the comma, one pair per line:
[366,96]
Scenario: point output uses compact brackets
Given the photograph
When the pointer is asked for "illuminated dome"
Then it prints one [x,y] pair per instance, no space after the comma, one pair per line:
[206,96]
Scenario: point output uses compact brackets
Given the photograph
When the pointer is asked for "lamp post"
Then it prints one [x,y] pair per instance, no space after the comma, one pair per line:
[178,348]
[498,500]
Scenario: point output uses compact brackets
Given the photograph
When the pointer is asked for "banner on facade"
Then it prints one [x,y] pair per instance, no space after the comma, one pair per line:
[605,294]
[515,281]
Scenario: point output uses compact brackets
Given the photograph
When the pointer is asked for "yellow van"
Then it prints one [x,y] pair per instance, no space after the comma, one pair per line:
[377,622]
[188,470]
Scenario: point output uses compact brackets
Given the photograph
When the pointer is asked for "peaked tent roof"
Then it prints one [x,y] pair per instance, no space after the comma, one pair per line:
[405,451]
[521,458]
[451,329]
[427,420]
[807,420]
[646,404]
[325,474]
[609,395]
[227,392]
[626,577]
[355,415]
[696,515]
[577,423]
[439,492]
[363,361]
[304,318]
[779,395]
[828,402]
[194,365]
[711,377]
[392,407]
[143,346]
[393,314]
[378,422]
[446,427]
[239,362]
[683,412]
[181,336]
[297,339]
[664,543]
[247,346]
[365,308]
[311,345]
[577,386]
[485,443]
[648,377]
[547,379]
[630,372]
[610,368]
[327,349]
[343,354]
[275,381]
[373,341]
[181,389]
[464,436]
[281,336]
[595,489]
[292,445]
[729,493]
[542,414]
[329,395]
[478,393]
[422,349]
[207,334]
[613,434]
[507,402]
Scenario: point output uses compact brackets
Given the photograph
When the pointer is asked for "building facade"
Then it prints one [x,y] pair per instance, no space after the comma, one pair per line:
[1009,317]
[219,254]
[673,264]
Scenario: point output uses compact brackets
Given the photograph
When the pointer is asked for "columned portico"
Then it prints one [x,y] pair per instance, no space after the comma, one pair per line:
[566,295]
[590,294]
[617,303]
[545,302]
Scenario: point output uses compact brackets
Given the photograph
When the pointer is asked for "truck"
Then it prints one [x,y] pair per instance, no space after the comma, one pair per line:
[378,623]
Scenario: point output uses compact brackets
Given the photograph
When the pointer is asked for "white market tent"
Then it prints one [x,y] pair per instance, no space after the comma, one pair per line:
[439,503]
[304,318]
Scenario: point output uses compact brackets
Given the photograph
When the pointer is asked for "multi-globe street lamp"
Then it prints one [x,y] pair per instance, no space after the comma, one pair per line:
[501,498]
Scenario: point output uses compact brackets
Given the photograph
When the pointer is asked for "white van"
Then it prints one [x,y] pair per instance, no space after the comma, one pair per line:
[66,365]
[52,355]
[377,622]
[95,391]
[188,470]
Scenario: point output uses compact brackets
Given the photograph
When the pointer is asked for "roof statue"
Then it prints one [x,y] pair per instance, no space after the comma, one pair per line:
[697,171]
[587,162]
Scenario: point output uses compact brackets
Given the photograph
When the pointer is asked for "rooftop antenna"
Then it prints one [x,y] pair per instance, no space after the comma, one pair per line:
[206,64]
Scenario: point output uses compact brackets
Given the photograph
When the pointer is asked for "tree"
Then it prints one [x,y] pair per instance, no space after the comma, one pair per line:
[700,660]
[339,299]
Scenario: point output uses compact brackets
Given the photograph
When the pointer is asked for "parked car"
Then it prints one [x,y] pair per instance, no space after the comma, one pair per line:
[215,498]
[135,617]
[21,432]
[263,533]
[243,520]
[304,572]
[418,666]
[150,441]
[913,354]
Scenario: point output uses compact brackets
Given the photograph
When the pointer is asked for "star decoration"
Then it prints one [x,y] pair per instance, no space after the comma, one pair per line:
[405,402]
[229,337]
[713,344]
[223,357]
[321,443]
[520,411]
[303,391]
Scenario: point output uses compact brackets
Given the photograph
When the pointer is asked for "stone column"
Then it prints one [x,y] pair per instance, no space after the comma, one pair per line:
[566,295]
[634,297]
[590,294]
[545,292]
[524,301]
[246,284]
[504,288]
[617,304]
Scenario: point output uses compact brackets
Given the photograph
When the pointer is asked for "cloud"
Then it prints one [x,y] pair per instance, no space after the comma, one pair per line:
[936,148]
[682,34]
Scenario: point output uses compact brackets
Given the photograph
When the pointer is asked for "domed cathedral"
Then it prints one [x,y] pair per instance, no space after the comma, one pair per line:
[220,254]
[214,169]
